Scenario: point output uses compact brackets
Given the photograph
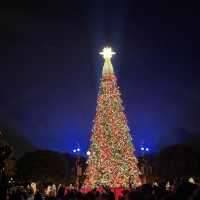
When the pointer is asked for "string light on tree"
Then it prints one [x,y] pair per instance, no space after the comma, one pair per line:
[88,153]
[111,158]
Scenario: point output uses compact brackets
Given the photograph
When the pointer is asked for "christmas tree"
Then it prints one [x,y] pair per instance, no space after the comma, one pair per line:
[111,160]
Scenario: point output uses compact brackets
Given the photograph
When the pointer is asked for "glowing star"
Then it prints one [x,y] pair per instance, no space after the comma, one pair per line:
[107,53]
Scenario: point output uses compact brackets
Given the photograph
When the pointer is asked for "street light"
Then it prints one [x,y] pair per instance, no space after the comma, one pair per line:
[142,148]
[74,150]
[145,149]
[145,165]
[78,165]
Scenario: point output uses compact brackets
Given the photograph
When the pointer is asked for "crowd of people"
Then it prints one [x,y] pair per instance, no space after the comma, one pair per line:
[184,190]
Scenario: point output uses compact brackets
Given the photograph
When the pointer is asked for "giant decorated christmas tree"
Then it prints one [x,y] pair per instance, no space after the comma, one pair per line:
[111,160]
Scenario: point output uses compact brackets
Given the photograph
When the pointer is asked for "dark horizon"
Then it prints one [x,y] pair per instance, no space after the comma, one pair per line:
[51,67]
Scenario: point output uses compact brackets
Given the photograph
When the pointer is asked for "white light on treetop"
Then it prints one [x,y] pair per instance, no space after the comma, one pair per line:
[107,53]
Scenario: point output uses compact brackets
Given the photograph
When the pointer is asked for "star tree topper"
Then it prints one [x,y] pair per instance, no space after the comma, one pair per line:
[107,53]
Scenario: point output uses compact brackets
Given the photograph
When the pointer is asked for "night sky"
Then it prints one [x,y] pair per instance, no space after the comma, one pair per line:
[50,68]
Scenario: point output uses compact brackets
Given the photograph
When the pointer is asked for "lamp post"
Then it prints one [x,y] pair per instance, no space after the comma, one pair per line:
[78,167]
[146,168]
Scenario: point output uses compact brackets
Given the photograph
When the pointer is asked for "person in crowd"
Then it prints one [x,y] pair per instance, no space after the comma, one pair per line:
[30,194]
